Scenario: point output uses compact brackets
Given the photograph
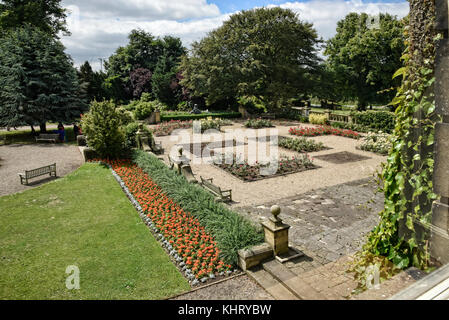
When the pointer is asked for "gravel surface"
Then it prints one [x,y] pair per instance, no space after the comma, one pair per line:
[271,189]
[17,158]
[237,288]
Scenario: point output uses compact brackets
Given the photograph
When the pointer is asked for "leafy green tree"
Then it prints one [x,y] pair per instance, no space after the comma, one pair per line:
[267,53]
[364,57]
[102,126]
[46,15]
[38,82]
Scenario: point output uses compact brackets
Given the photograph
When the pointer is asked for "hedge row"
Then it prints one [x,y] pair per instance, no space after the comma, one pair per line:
[188,116]
[232,232]
[375,120]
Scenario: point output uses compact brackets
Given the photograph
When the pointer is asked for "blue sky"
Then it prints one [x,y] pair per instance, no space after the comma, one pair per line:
[99,27]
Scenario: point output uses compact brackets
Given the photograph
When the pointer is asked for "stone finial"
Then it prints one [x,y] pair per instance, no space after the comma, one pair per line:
[275,211]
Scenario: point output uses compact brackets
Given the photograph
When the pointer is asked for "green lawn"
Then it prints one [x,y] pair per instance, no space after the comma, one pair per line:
[86,220]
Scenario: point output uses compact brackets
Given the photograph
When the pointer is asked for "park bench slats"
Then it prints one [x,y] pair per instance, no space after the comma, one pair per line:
[29,174]
[221,195]
[48,137]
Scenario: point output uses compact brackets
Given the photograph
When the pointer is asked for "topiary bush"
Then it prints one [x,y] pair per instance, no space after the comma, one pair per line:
[103,127]
[377,120]
[143,110]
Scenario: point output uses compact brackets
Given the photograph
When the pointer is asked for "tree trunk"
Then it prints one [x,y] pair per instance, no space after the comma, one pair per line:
[43,127]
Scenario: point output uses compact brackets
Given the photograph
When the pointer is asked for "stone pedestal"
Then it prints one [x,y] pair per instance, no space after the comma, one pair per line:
[276,233]
[179,160]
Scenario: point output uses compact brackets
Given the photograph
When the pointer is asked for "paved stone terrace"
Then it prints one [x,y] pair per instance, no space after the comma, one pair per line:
[327,223]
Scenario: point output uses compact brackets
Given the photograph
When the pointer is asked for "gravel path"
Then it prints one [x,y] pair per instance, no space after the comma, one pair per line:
[17,158]
[271,189]
[237,288]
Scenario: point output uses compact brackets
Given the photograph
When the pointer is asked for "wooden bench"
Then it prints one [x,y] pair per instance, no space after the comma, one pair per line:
[221,195]
[48,137]
[29,174]
[186,171]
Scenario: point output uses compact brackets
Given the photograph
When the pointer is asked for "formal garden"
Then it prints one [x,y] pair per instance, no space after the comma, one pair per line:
[174,172]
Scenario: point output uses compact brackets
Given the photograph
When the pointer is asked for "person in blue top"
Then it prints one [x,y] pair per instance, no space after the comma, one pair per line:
[61,132]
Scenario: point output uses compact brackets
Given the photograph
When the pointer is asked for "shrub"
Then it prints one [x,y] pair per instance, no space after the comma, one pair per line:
[350,126]
[90,154]
[301,144]
[143,110]
[126,117]
[231,231]
[208,124]
[183,106]
[258,123]
[315,118]
[377,142]
[102,127]
[376,120]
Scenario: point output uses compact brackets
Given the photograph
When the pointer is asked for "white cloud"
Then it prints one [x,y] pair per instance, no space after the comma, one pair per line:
[99,27]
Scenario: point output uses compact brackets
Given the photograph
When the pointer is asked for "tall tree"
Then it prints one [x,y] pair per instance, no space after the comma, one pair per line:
[267,53]
[91,82]
[143,51]
[38,82]
[46,15]
[365,56]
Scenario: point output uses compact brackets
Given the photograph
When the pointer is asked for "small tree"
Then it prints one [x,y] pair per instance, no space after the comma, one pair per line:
[103,128]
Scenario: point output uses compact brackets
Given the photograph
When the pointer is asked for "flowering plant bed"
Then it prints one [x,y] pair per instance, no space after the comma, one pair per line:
[183,234]
[379,143]
[301,144]
[323,130]
[247,172]
[166,128]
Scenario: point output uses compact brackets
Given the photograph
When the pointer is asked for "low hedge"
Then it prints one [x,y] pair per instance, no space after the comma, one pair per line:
[231,231]
[188,116]
[375,120]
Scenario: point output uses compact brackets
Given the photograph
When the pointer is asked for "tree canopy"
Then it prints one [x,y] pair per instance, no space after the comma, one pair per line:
[38,82]
[143,52]
[364,58]
[267,53]
[46,15]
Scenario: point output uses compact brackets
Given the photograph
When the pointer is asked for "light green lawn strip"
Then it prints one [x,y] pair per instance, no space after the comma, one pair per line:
[83,219]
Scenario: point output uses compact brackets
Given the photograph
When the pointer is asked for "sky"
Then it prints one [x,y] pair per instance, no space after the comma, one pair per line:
[99,27]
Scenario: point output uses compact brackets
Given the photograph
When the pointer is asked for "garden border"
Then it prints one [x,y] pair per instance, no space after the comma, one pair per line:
[159,237]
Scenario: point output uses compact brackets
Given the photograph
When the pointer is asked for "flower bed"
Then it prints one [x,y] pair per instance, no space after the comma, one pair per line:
[323,130]
[166,128]
[258,123]
[182,232]
[377,142]
[301,144]
[247,172]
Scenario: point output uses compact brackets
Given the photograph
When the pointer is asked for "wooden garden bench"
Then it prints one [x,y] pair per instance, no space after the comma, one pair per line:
[221,195]
[29,174]
[48,137]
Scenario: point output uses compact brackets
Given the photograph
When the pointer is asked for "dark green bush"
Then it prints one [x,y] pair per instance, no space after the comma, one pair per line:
[103,127]
[231,231]
[81,140]
[126,116]
[375,120]
[90,154]
[350,126]
[143,110]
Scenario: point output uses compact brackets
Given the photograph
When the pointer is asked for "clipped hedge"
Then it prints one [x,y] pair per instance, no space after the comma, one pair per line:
[376,120]
[188,116]
[231,231]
